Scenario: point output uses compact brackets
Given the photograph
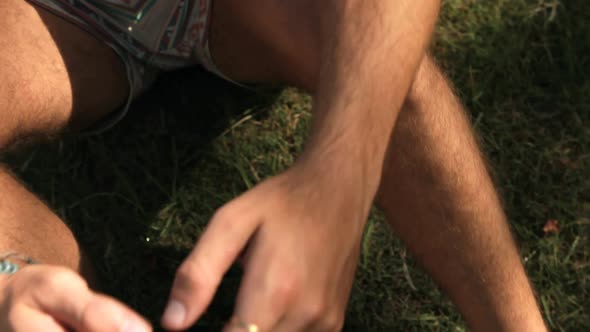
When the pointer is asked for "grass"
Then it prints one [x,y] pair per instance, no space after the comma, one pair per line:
[139,195]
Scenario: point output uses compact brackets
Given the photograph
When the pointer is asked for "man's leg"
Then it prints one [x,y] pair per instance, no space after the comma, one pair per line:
[439,198]
[435,189]
[53,75]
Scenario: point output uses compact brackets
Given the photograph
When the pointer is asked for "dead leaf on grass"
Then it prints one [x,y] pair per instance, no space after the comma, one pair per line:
[551,227]
[568,163]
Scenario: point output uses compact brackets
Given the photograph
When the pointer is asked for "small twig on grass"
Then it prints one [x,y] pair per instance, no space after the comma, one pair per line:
[407,271]
[572,249]
[547,311]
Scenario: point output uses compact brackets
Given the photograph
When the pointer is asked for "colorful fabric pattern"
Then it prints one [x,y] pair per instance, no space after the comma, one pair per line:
[166,34]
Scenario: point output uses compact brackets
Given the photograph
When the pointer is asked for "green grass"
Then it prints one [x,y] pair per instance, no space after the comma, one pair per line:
[138,196]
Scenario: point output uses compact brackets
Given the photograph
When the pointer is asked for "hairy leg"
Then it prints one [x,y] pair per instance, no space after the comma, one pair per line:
[439,198]
[53,75]
[435,189]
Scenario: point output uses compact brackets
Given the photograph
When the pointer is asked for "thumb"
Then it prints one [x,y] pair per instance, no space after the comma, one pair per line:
[199,276]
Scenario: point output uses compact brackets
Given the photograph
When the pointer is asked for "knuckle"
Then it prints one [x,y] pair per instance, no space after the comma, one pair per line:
[286,290]
[190,275]
[333,321]
[56,278]
[314,310]
[224,216]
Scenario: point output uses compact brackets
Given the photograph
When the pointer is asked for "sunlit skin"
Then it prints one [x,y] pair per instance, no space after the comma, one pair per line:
[365,64]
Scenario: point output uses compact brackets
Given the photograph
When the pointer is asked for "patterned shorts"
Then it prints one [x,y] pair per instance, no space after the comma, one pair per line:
[148,35]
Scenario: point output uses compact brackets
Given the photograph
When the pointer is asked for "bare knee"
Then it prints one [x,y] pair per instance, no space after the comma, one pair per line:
[30,109]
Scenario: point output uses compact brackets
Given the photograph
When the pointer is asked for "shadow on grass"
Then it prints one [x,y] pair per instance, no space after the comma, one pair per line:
[113,187]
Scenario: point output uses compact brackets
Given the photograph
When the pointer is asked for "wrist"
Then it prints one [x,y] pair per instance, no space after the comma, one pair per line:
[351,139]
[339,176]
[12,262]
[354,165]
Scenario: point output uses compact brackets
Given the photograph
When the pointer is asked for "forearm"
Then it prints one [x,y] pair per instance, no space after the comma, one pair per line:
[370,53]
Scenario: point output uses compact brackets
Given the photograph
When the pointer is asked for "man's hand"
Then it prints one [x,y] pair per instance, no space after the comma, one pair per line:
[55,299]
[301,233]
[302,229]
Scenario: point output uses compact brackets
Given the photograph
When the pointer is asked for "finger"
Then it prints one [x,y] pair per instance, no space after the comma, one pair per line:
[24,319]
[65,296]
[265,294]
[199,276]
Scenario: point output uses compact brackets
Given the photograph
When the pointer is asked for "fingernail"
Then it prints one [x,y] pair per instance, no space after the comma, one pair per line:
[132,325]
[175,314]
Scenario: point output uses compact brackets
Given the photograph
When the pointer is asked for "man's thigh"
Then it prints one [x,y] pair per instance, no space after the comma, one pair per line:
[266,41]
[53,74]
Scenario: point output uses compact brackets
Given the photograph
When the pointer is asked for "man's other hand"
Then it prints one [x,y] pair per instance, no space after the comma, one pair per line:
[55,299]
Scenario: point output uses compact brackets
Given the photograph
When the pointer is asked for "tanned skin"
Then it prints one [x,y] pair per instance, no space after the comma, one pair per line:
[387,129]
